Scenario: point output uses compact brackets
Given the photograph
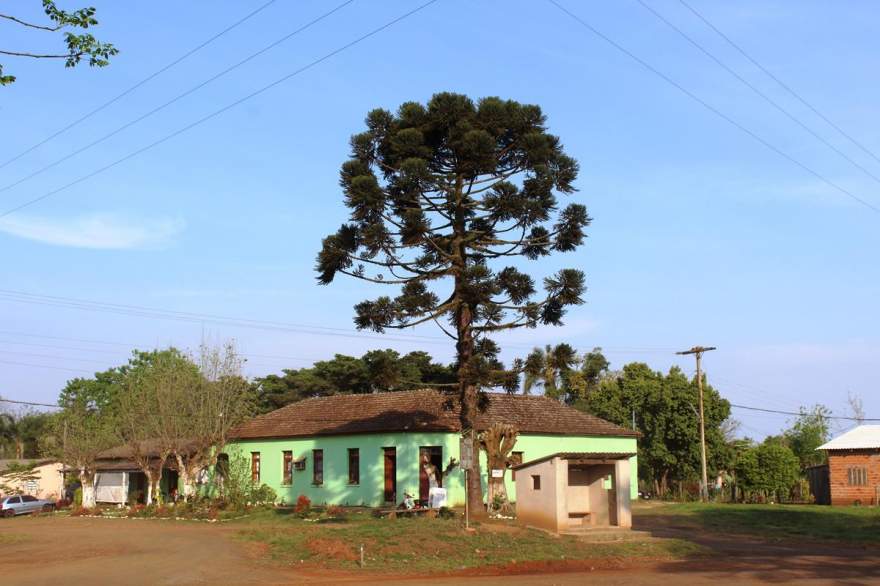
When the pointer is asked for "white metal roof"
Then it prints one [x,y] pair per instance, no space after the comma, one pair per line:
[858,438]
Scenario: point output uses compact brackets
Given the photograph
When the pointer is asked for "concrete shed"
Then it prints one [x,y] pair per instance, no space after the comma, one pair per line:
[574,491]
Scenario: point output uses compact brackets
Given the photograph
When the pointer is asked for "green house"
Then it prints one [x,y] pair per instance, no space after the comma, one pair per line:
[368,449]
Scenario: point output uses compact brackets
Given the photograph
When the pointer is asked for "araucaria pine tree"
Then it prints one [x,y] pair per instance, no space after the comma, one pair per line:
[439,195]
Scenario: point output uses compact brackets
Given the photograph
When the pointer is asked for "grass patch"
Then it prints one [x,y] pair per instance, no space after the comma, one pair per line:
[421,544]
[846,524]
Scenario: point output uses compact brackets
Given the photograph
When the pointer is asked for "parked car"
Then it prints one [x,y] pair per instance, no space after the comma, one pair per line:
[24,503]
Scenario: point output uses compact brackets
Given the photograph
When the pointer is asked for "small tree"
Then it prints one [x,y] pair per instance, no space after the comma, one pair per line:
[809,431]
[147,409]
[219,401]
[770,469]
[79,46]
[498,442]
[440,192]
[85,432]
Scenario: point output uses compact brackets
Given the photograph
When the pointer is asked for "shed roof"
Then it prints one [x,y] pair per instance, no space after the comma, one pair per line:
[859,438]
[579,457]
[422,410]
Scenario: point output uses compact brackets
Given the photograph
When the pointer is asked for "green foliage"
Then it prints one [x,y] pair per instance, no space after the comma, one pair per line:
[770,469]
[78,497]
[377,370]
[233,483]
[437,192]
[665,409]
[810,430]
[562,373]
[23,434]
[79,46]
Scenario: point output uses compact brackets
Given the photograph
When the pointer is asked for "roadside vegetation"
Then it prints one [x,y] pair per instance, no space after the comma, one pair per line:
[419,544]
[855,525]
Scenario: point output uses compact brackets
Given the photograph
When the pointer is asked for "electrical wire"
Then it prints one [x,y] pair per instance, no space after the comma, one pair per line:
[220,111]
[782,84]
[175,99]
[757,91]
[150,77]
[711,108]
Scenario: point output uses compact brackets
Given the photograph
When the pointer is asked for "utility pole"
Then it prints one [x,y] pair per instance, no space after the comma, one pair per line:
[697,351]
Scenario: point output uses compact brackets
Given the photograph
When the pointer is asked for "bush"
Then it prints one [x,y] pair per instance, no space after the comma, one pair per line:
[62,503]
[263,495]
[303,506]
[85,512]
[78,497]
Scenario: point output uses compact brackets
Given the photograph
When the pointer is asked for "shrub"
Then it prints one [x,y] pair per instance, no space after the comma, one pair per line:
[335,511]
[84,511]
[263,495]
[62,503]
[303,506]
[78,497]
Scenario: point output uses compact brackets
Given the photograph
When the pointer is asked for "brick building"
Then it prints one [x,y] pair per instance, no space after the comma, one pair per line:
[854,466]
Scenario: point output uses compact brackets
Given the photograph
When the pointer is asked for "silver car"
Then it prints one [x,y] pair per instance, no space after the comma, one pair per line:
[24,503]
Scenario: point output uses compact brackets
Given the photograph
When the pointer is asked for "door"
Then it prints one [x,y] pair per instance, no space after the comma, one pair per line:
[432,455]
[390,458]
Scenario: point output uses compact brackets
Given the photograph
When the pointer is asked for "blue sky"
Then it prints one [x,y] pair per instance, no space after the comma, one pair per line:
[701,235]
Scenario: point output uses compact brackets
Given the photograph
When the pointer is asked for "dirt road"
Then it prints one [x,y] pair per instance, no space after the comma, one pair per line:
[46,550]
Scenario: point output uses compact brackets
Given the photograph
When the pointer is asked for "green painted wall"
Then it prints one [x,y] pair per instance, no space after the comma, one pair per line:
[369,492]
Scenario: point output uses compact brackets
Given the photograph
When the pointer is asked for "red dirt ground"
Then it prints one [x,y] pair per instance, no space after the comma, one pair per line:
[58,550]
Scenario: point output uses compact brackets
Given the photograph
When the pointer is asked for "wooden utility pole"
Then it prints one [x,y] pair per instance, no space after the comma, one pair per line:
[697,351]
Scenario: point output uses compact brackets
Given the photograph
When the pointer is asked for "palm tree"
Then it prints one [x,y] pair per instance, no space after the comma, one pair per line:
[547,367]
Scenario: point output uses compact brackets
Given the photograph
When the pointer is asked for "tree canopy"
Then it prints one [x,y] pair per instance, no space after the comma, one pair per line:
[78,46]
[665,413]
[438,194]
[376,370]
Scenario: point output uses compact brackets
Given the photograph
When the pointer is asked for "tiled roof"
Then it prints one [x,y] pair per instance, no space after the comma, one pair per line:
[422,410]
[859,438]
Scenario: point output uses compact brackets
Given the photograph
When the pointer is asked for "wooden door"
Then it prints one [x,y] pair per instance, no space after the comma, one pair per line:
[390,475]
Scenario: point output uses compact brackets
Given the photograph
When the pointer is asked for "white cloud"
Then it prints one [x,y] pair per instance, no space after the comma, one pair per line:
[101,230]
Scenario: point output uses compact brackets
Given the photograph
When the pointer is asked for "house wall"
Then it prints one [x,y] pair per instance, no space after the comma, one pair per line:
[48,485]
[369,492]
[543,508]
[839,463]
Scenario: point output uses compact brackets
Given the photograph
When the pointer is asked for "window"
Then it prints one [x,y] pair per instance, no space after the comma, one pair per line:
[28,499]
[857,476]
[255,467]
[536,482]
[354,466]
[516,458]
[318,467]
[287,468]
[13,501]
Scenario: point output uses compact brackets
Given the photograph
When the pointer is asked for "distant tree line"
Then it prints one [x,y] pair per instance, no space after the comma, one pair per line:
[375,371]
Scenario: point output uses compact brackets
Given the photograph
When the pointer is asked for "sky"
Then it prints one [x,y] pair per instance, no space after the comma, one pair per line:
[702,233]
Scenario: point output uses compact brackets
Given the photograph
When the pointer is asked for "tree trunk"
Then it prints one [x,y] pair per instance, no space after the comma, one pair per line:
[87,479]
[148,497]
[469,408]
[19,449]
[183,475]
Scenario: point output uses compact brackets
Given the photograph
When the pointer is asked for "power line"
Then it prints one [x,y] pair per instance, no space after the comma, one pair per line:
[190,317]
[44,366]
[216,113]
[782,84]
[161,107]
[801,413]
[710,107]
[139,84]
[757,91]
[2,400]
